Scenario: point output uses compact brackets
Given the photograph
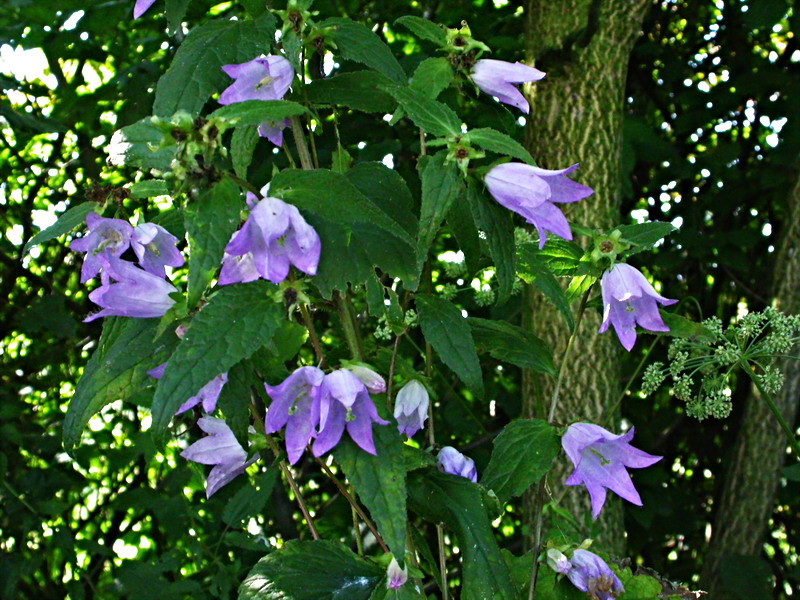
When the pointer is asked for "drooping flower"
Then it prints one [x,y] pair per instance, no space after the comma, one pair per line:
[628,300]
[374,383]
[106,237]
[266,78]
[395,576]
[600,460]
[137,293]
[411,407]
[591,574]
[558,561]
[497,78]
[274,236]
[273,130]
[155,248]
[452,461]
[141,7]
[221,449]
[208,394]
[533,192]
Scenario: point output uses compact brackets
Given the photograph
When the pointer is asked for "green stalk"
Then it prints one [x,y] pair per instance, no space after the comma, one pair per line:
[774,409]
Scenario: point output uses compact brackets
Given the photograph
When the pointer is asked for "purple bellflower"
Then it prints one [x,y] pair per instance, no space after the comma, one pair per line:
[452,461]
[591,574]
[600,460]
[273,130]
[395,576]
[411,407]
[258,79]
[628,300]
[155,248]
[374,383]
[137,293]
[207,395]
[558,561]
[533,192]
[221,449]
[141,7]
[497,78]
[274,236]
[106,237]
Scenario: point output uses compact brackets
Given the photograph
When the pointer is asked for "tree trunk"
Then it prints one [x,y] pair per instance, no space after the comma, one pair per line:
[759,450]
[576,117]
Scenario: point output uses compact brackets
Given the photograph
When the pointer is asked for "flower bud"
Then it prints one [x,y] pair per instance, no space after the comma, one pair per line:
[411,408]
[558,561]
[395,576]
[452,461]
[373,382]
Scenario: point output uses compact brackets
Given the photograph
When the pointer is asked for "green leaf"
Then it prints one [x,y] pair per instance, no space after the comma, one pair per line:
[234,399]
[533,269]
[457,502]
[176,11]
[68,221]
[137,145]
[211,219]
[462,225]
[196,71]
[500,143]
[643,587]
[441,185]
[388,191]
[249,501]
[645,235]
[450,335]
[361,90]
[423,29]
[314,570]
[432,77]
[549,588]
[149,189]
[358,43]
[429,115]
[523,452]
[380,482]
[682,327]
[512,344]
[560,257]
[495,221]
[116,370]
[255,112]
[243,143]
[236,322]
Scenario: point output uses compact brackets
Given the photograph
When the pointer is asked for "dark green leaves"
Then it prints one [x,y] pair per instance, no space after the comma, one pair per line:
[71,219]
[356,42]
[196,71]
[449,334]
[255,112]
[500,143]
[361,90]
[512,344]
[423,28]
[645,235]
[523,453]
[533,269]
[429,115]
[318,570]
[137,145]
[236,322]
[432,77]
[441,185]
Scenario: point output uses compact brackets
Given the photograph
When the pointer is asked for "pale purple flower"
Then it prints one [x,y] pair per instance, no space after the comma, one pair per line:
[374,383]
[600,460]
[452,461]
[137,293]
[221,449]
[497,78]
[591,574]
[395,576]
[628,300]
[106,237]
[411,407]
[533,192]
[274,236]
[141,7]
[558,561]
[155,248]
[266,78]
[273,130]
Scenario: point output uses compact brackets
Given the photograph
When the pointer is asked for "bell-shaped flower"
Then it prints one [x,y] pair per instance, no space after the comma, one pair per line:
[136,292]
[601,459]
[558,561]
[533,192]
[497,78]
[374,383]
[273,130]
[395,576]
[591,574]
[266,78]
[155,248]
[274,236]
[221,449]
[106,237]
[452,461]
[295,405]
[411,407]
[208,394]
[141,7]
[628,300]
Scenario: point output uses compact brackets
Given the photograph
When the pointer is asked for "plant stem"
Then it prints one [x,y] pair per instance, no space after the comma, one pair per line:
[611,410]
[357,532]
[300,142]
[391,372]
[312,333]
[346,316]
[774,409]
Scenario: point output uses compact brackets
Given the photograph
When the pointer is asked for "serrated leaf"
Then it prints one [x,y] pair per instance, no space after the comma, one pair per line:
[237,321]
[560,257]
[495,221]
[462,225]
[380,482]
[457,502]
[117,369]
[137,145]
[176,11]
[685,328]
[387,190]
[429,115]
[532,269]
[315,570]
[432,77]
[523,452]
[211,220]
[645,235]
[512,344]
[361,90]
[449,333]
[441,185]
[196,71]
[243,143]
[424,29]
[500,143]
[69,220]
[255,112]
[234,399]
[249,501]
[358,43]
[150,188]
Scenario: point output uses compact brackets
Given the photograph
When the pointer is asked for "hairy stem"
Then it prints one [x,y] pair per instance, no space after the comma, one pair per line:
[300,141]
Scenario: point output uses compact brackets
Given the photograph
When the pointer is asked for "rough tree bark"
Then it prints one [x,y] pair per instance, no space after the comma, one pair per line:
[759,451]
[576,117]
